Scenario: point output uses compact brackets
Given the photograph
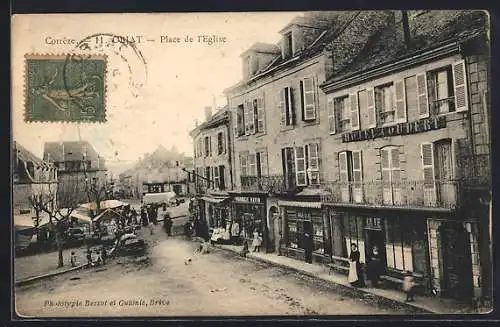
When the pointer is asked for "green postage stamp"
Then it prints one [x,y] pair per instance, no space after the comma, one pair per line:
[65,88]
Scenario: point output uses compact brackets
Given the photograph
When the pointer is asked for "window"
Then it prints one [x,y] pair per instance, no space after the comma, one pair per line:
[287,50]
[391,175]
[286,107]
[244,164]
[341,107]
[215,173]
[252,165]
[307,164]
[288,162]
[307,92]
[222,174]
[262,168]
[207,176]
[221,144]
[443,90]
[353,233]
[240,121]
[260,113]
[384,103]
[249,116]
[210,145]
[207,146]
[406,247]
[351,176]
[437,165]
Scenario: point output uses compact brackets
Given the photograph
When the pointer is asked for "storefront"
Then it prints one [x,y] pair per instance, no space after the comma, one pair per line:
[401,238]
[217,210]
[306,236]
[249,211]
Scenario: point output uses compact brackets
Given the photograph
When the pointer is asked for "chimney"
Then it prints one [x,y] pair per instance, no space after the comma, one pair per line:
[208,113]
[406,28]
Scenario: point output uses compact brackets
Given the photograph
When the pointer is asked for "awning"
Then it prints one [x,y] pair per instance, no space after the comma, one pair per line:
[300,204]
[214,200]
[104,204]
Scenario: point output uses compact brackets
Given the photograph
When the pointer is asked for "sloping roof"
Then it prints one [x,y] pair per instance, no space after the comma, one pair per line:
[264,47]
[427,30]
[27,156]
[106,212]
[69,151]
[329,25]
[106,204]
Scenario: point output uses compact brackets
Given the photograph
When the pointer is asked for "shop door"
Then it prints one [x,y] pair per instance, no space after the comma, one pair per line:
[375,238]
[457,265]
[308,241]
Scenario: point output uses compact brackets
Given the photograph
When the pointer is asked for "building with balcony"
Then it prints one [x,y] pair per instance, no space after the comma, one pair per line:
[211,169]
[408,130]
[280,125]
[78,164]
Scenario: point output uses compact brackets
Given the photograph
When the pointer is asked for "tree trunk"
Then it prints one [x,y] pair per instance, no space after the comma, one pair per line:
[59,242]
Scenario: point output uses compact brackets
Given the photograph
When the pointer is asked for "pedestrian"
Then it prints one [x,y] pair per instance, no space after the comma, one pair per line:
[374,266]
[244,251]
[257,241]
[235,232]
[409,286]
[89,257]
[151,228]
[144,217]
[167,222]
[188,228]
[73,259]
[99,257]
[104,255]
[355,277]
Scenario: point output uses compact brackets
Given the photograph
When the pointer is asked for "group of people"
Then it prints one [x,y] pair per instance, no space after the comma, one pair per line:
[97,257]
[374,270]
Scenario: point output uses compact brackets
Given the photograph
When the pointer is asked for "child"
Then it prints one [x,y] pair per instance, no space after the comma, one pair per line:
[408,286]
[244,251]
[73,259]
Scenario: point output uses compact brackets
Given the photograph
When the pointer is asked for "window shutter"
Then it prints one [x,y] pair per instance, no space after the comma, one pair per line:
[261,119]
[210,145]
[428,164]
[246,117]
[243,164]
[357,169]
[302,99]
[343,168]
[264,170]
[423,102]
[354,106]
[251,116]
[400,101]
[300,166]
[291,108]
[252,166]
[460,86]
[308,98]
[313,163]
[331,114]
[215,173]
[370,106]
[429,174]
[283,108]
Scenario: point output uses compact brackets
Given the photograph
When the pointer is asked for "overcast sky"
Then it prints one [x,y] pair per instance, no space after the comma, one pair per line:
[179,79]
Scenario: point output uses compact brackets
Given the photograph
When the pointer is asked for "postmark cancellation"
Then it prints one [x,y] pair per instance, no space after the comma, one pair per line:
[65,88]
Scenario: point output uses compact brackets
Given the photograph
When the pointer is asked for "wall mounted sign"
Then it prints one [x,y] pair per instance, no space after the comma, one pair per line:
[247,199]
[419,126]
[373,223]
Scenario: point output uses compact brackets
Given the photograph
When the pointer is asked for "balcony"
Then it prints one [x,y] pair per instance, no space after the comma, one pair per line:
[274,184]
[404,194]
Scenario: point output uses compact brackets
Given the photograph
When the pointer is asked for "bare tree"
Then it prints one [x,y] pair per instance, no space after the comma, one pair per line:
[97,191]
[66,193]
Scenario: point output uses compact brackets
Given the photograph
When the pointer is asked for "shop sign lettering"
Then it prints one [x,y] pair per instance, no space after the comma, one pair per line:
[247,199]
[419,126]
[373,223]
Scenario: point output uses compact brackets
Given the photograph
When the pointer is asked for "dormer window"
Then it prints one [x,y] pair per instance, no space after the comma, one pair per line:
[287,50]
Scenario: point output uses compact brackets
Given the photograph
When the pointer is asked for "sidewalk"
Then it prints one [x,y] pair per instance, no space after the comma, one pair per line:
[427,303]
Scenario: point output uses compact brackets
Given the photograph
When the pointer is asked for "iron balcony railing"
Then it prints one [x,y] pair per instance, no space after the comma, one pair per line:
[405,194]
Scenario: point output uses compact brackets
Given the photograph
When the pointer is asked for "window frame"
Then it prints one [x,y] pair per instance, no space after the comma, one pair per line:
[341,112]
[389,86]
[303,93]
